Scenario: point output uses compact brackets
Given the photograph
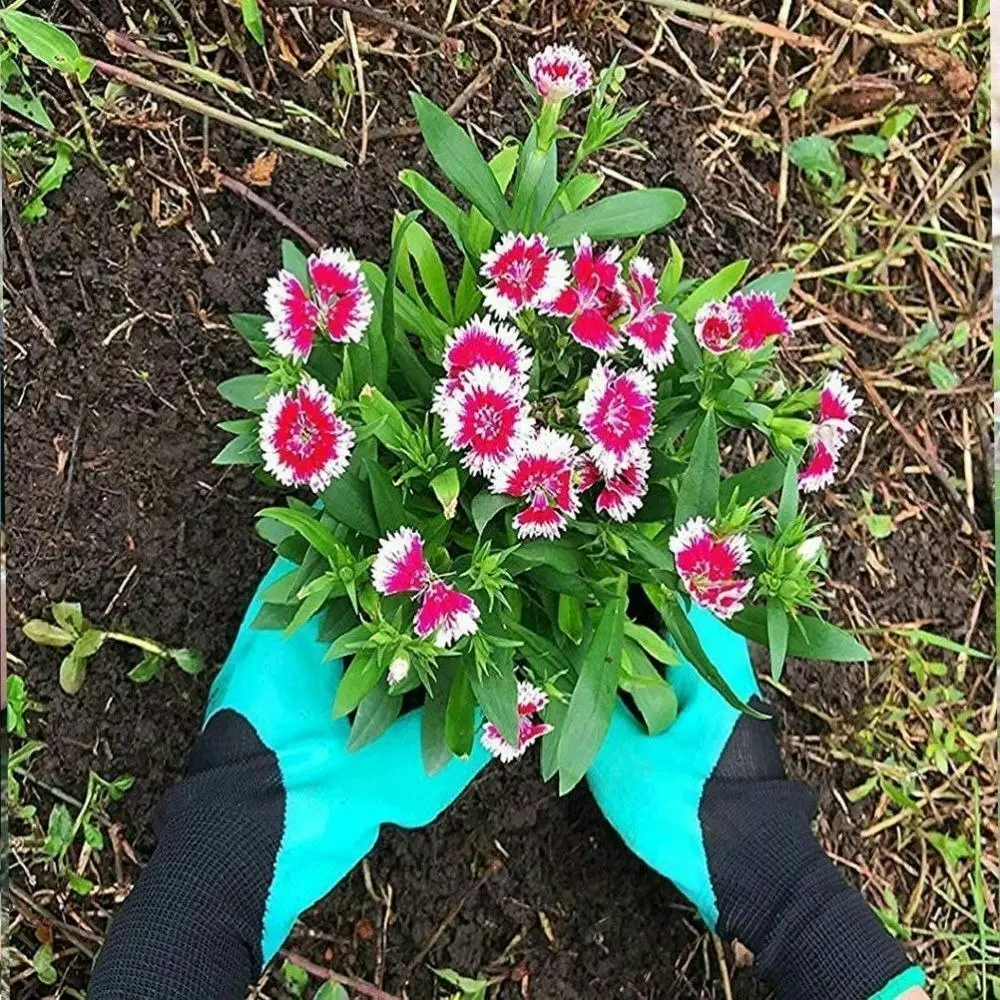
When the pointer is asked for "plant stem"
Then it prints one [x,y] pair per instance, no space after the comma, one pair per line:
[118,43]
[200,107]
[148,645]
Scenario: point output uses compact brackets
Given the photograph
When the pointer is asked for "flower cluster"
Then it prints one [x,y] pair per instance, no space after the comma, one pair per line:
[838,405]
[574,390]
[401,568]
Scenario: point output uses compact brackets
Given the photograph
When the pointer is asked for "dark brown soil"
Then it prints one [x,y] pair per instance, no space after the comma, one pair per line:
[570,906]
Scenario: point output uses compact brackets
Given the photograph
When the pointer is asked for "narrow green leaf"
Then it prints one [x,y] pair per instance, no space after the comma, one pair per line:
[580,189]
[382,416]
[941,641]
[431,269]
[459,723]
[699,488]
[779,284]
[445,486]
[248,392]
[758,481]
[317,535]
[777,636]
[348,501]
[390,511]
[252,20]
[713,289]
[485,506]
[593,698]
[671,276]
[690,647]
[570,618]
[554,714]
[653,696]
[433,745]
[380,356]
[438,204]
[359,678]
[460,161]
[788,505]
[376,713]
[631,213]
[496,693]
[294,260]
[809,638]
[243,450]
[47,43]
[651,643]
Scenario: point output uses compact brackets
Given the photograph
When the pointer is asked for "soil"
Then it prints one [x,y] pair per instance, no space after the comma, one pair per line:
[114,503]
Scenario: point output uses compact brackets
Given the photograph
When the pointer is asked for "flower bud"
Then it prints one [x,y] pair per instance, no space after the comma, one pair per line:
[398,669]
[811,548]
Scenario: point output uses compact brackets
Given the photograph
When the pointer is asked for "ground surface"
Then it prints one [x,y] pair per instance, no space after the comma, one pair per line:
[110,411]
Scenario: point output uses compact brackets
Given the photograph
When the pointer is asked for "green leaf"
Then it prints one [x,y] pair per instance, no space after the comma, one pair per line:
[880,525]
[47,43]
[78,884]
[438,203]
[243,450]
[593,698]
[348,501]
[252,20]
[459,723]
[149,667]
[570,618]
[651,643]
[360,677]
[390,511]
[777,636]
[788,505]
[445,486]
[580,188]
[699,487]
[496,693]
[631,213]
[713,289]
[380,352]
[653,696]
[942,376]
[809,638]
[189,660]
[331,991]
[460,161]
[17,95]
[44,633]
[486,506]
[778,283]
[349,642]
[59,834]
[868,145]
[41,963]
[671,276]
[248,392]
[250,326]
[941,641]
[376,713]
[383,418]
[317,535]
[430,267]
[757,481]
[88,643]
[50,181]
[294,260]
[690,647]
[433,745]
[818,157]
[554,714]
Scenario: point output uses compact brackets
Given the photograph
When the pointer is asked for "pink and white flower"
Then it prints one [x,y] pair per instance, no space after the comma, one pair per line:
[481,342]
[560,71]
[302,439]
[530,702]
[338,303]
[621,496]
[342,294]
[486,417]
[838,405]
[294,316]
[542,471]
[597,296]
[400,566]
[445,613]
[761,318]
[717,327]
[523,273]
[617,415]
[709,565]
[650,328]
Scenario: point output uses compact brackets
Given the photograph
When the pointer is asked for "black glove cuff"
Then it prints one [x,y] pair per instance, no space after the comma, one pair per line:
[813,936]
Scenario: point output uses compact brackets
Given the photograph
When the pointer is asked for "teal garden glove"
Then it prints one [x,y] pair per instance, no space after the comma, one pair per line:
[272,812]
[707,804]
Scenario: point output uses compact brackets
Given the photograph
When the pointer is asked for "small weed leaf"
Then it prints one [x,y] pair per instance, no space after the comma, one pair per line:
[46,634]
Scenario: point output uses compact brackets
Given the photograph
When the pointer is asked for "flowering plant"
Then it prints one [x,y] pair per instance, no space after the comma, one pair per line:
[519,472]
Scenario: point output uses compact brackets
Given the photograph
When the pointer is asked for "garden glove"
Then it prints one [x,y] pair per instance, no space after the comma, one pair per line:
[707,804]
[272,812]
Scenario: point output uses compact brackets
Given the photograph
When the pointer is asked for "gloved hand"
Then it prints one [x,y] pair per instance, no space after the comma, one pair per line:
[707,805]
[273,812]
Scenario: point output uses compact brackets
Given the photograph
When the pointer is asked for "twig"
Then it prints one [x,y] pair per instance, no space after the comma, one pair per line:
[707,13]
[241,189]
[71,469]
[235,45]
[200,107]
[351,982]
[22,245]
[893,37]
[359,71]
[368,14]
[932,463]
[720,954]
[73,933]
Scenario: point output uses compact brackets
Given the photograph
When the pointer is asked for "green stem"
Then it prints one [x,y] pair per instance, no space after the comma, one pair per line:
[201,108]
[148,645]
